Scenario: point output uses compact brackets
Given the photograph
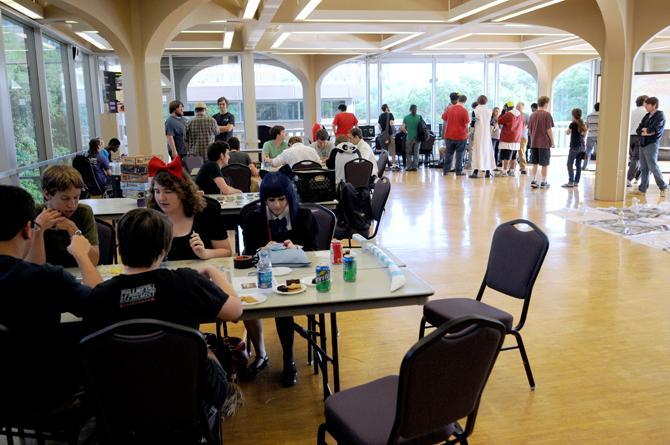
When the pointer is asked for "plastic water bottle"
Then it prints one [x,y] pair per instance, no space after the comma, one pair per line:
[264,270]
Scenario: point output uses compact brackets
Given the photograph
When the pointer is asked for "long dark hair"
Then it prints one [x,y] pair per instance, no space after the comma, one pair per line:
[577,117]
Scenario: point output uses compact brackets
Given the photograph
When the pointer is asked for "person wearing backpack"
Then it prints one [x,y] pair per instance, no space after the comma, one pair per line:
[410,125]
[386,122]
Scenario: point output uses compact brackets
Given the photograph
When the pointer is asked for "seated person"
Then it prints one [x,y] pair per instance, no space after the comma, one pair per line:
[330,163]
[280,219]
[197,226]
[296,152]
[322,145]
[364,148]
[345,152]
[183,296]
[275,146]
[61,187]
[112,147]
[33,298]
[209,178]
[99,162]
[237,157]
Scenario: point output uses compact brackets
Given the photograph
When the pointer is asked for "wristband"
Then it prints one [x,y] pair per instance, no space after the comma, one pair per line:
[77,232]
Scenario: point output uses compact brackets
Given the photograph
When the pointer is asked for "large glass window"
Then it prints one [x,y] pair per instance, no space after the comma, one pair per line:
[54,70]
[571,90]
[344,84]
[516,85]
[84,98]
[404,84]
[209,83]
[278,97]
[19,76]
[462,77]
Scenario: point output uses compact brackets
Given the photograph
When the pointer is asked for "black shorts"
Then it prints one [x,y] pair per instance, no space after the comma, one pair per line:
[506,155]
[540,156]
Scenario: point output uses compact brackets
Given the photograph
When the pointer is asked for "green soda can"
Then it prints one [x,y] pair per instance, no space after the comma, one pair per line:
[349,268]
[323,278]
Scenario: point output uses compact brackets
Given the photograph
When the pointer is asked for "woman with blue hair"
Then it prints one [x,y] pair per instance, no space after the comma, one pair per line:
[280,219]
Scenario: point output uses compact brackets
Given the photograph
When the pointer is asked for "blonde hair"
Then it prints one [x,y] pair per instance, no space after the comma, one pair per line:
[59,178]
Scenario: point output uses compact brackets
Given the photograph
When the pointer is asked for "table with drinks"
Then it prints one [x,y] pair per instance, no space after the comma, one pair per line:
[358,282]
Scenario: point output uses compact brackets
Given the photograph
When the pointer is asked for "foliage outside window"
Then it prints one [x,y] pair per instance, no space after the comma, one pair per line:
[83,87]
[571,90]
[459,77]
[404,84]
[517,85]
[57,97]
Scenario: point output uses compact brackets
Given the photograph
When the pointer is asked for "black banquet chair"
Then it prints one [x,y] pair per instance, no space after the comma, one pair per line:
[239,176]
[514,263]
[442,378]
[381,163]
[326,221]
[192,162]
[357,172]
[106,242]
[306,165]
[146,380]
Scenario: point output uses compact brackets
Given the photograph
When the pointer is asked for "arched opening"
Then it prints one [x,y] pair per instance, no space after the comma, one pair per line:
[345,84]
[571,89]
[517,85]
[279,97]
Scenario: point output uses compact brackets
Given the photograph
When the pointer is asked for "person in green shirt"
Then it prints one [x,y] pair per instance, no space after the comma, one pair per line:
[274,147]
[410,125]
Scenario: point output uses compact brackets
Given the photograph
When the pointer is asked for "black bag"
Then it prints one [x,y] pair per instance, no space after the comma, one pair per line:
[315,185]
[355,206]
[231,352]
[422,130]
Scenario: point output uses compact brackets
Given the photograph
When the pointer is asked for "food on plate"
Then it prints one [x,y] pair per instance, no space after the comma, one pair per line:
[248,299]
[293,284]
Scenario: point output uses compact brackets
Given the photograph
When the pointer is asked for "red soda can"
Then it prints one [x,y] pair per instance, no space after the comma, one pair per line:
[336,252]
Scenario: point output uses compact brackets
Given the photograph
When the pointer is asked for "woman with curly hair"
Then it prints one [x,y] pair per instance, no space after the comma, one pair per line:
[198,231]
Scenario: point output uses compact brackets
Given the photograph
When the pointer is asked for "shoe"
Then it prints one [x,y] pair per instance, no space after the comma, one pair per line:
[544,185]
[251,371]
[289,376]
[534,184]
[664,193]
[636,181]
[474,175]
[637,192]
[487,174]
[523,172]
[461,174]
[568,185]
[629,184]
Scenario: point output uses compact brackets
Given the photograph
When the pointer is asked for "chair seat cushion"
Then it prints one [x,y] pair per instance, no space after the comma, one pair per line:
[365,415]
[440,311]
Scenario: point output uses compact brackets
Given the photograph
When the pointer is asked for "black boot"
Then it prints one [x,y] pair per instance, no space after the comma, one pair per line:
[289,375]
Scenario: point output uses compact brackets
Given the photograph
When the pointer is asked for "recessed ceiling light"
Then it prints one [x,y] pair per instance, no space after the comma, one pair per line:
[476,10]
[228,39]
[375,21]
[71,22]
[195,31]
[250,10]
[404,39]
[308,9]
[453,39]
[22,9]
[86,36]
[219,21]
[282,37]
[526,11]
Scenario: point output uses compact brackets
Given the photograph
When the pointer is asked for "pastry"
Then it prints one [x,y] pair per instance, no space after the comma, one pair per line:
[248,299]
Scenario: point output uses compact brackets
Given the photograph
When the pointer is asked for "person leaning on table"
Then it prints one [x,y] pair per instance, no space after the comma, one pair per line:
[32,299]
[209,178]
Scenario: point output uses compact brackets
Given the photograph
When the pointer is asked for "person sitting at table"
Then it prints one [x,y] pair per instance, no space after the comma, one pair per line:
[237,157]
[197,226]
[330,162]
[279,219]
[61,188]
[322,145]
[364,148]
[183,296]
[33,298]
[276,145]
[209,178]
[99,162]
[296,152]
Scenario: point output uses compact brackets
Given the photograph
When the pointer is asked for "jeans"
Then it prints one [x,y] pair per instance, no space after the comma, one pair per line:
[457,147]
[412,147]
[648,164]
[634,160]
[496,152]
[591,144]
[574,159]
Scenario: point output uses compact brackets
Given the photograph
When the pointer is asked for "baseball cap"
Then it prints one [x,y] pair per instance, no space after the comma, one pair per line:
[510,104]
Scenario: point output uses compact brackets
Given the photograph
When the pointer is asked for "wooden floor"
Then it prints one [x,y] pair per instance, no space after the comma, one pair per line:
[598,331]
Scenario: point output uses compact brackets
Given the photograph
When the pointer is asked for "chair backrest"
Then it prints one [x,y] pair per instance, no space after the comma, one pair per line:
[442,377]
[306,165]
[381,163]
[145,378]
[515,259]
[263,135]
[357,172]
[106,242]
[192,161]
[239,175]
[326,221]
[380,195]
[82,164]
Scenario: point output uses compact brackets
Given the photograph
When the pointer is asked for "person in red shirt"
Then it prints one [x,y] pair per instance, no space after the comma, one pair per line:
[315,128]
[456,119]
[344,122]
[512,122]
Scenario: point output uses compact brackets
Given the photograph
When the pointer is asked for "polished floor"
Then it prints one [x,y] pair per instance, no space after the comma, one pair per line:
[597,334]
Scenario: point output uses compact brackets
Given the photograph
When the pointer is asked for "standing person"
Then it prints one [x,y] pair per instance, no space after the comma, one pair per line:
[61,188]
[225,120]
[592,137]
[482,146]
[495,135]
[471,135]
[99,162]
[112,147]
[386,123]
[322,145]
[275,146]
[523,143]
[634,147]
[343,122]
[410,125]
[209,178]
[175,129]
[540,127]
[577,131]
[510,137]
[650,131]
[453,100]
[456,118]
[200,131]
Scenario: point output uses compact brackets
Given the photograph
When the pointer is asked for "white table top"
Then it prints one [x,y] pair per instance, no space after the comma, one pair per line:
[110,206]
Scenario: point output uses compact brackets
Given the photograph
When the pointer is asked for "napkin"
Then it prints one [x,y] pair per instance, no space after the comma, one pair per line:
[398,279]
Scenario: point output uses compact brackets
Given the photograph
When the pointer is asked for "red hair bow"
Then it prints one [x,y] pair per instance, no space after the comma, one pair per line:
[175,167]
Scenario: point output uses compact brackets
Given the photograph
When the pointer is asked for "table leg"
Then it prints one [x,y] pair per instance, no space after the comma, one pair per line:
[336,355]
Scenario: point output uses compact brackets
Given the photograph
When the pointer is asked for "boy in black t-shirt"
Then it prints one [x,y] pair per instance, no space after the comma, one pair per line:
[144,290]
[209,178]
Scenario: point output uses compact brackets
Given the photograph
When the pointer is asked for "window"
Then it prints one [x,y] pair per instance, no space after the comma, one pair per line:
[571,90]
[54,70]
[517,85]
[461,77]
[84,98]
[344,84]
[278,97]
[404,84]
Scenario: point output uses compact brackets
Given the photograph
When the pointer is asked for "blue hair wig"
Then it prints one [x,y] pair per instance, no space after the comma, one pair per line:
[277,184]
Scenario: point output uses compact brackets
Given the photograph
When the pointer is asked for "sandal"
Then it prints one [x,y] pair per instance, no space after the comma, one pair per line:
[251,371]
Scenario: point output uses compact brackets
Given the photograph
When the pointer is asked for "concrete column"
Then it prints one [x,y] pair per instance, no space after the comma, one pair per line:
[309,99]
[249,99]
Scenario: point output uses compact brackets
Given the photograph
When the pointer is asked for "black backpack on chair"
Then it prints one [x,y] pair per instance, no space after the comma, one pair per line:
[355,207]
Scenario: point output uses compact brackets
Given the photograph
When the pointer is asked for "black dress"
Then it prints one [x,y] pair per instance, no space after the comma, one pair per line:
[208,224]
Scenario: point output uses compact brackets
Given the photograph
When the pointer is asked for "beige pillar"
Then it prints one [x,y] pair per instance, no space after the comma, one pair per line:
[309,99]
[249,100]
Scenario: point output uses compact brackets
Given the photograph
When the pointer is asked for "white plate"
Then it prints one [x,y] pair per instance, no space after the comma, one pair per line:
[281,271]
[303,288]
[259,297]
[307,281]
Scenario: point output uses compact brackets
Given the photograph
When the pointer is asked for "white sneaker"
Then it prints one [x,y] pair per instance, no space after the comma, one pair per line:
[664,193]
